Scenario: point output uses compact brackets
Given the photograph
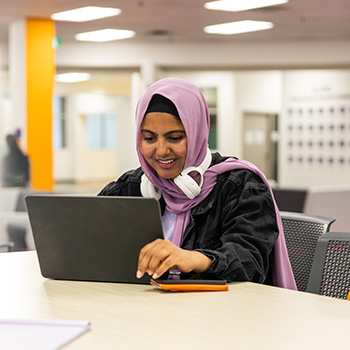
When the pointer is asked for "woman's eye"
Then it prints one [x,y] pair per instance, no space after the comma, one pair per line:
[149,139]
[175,138]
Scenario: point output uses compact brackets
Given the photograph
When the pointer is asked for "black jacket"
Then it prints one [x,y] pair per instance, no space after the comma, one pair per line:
[235,226]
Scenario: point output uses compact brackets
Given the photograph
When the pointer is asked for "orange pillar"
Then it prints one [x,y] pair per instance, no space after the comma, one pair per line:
[40,71]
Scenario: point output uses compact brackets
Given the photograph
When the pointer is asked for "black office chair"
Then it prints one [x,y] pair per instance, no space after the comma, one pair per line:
[17,232]
[6,247]
[289,199]
[301,233]
[330,273]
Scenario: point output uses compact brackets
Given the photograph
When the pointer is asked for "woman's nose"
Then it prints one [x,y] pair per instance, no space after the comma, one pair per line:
[162,148]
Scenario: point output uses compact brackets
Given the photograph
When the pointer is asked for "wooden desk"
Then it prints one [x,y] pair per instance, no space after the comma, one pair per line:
[125,316]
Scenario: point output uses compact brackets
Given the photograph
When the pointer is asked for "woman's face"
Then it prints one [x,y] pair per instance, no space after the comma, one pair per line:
[163,143]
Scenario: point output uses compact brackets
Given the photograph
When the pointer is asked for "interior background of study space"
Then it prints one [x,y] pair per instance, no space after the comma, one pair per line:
[283,104]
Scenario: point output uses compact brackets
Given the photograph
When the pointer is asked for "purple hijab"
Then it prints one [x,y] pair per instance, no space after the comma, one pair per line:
[194,115]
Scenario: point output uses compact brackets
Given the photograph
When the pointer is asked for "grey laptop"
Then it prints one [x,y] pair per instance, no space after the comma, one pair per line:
[90,238]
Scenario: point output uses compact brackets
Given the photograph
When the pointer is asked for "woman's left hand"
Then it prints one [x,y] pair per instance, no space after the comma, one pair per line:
[161,255]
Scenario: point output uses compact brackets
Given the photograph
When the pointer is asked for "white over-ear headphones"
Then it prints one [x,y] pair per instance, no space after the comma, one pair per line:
[184,181]
[148,190]
[187,184]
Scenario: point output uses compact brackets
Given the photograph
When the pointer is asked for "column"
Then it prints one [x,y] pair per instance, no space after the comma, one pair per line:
[32,69]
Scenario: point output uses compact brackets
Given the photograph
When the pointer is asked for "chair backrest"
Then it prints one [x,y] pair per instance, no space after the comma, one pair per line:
[301,233]
[8,198]
[330,269]
[6,247]
[20,204]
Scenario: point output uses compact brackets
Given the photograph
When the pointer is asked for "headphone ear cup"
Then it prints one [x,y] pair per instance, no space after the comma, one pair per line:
[148,190]
[188,186]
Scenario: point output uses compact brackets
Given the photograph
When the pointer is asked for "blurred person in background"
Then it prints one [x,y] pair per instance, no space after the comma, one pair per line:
[14,165]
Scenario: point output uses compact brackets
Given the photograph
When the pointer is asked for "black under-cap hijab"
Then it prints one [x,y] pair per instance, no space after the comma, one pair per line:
[159,103]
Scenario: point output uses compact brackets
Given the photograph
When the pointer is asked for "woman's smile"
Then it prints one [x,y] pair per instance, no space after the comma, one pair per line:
[166,164]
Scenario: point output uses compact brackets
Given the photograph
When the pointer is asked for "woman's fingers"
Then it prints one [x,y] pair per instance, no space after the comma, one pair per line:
[165,265]
[161,255]
[156,256]
[145,257]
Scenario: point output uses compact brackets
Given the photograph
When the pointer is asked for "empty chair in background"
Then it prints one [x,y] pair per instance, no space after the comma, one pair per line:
[330,270]
[18,228]
[290,199]
[301,233]
[14,222]
[333,201]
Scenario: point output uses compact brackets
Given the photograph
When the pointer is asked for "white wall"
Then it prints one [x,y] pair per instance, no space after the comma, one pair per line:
[258,92]
[277,54]
[3,56]
[5,108]
[127,156]
[6,126]
[213,56]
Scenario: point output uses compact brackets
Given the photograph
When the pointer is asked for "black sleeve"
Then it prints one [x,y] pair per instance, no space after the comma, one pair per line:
[246,232]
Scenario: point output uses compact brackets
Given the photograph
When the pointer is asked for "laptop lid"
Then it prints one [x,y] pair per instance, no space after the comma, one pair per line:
[91,238]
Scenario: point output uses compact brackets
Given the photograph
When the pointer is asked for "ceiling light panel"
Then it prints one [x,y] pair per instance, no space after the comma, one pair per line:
[72,77]
[105,35]
[238,27]
[241,5]
[85,14]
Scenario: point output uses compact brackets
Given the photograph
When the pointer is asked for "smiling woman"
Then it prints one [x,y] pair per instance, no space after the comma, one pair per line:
[218,213]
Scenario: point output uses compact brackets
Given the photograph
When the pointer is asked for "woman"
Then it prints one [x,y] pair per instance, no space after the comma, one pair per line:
[218,213]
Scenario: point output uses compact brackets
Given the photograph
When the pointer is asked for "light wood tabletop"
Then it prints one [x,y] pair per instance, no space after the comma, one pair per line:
[128,316]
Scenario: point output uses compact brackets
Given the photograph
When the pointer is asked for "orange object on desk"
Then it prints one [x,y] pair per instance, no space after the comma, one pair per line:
[189,287]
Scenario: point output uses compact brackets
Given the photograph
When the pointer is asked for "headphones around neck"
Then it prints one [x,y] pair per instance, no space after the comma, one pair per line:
[184,181]
[187,184]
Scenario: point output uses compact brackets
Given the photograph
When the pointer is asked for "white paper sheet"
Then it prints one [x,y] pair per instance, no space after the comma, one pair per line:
[33,334]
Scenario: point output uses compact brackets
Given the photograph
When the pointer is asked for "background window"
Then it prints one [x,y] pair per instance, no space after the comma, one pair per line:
[59,122]
[101,131]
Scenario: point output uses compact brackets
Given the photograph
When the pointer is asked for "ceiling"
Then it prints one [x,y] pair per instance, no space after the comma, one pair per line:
[183,20]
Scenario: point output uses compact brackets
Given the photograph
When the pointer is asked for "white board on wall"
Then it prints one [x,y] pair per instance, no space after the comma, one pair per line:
[315,128]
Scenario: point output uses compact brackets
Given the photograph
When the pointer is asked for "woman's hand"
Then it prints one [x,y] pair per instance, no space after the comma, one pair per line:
[161,255]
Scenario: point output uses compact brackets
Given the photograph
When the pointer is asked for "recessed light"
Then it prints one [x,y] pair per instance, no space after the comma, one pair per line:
[241,5]
[105,35]
[72,77]
[238,27]
[87,13]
